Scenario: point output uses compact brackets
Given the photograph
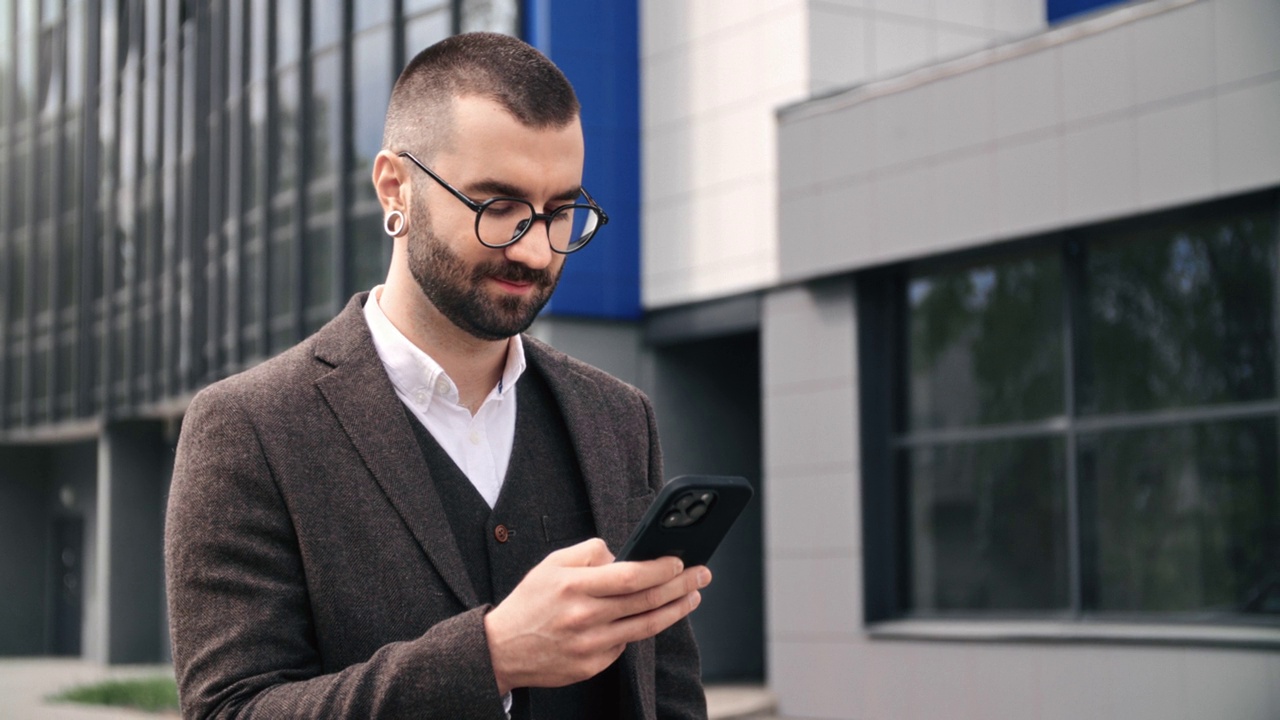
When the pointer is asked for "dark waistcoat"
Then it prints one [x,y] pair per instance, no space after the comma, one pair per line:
[542,507]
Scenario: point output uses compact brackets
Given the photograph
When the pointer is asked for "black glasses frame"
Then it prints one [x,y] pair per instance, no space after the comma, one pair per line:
[479,207]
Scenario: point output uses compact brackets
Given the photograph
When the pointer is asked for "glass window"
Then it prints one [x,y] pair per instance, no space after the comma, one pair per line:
[259,28]
[326,22]
[39,378]
[286,129]
[41,272]
[6,70]
[72,156]
[1179,314]
[989,526]
[1183,519]
[24,74]
[67,375]
[1090,423]
[255,148]
[370,14]
[20,189]
[416,6]
[50,66]
[371,90]
[281,291]
[67,265]
[318,258]
[500,16]
[985,343]
[251,310]
[424,31]
[75,53]
[46,189]
[288,32]
[364,251]
[324,110]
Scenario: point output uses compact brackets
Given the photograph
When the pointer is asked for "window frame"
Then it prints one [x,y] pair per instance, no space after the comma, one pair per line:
[882,336]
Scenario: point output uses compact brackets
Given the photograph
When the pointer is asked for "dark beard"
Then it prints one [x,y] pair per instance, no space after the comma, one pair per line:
[458,293]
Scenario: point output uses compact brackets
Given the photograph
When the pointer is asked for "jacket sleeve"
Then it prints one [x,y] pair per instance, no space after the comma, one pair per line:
[242,634]
[677,668]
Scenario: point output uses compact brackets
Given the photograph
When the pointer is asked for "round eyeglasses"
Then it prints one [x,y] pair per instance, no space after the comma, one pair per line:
[502,221]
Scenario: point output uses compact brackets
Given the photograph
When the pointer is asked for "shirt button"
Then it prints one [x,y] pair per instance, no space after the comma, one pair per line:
[442,386]
[475,438]
[501,534]
[420,395]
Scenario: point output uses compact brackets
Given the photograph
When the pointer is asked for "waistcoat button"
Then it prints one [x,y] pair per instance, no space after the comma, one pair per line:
[501,534]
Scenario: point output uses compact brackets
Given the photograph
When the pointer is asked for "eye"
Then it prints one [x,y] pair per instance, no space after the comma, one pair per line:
[506,208]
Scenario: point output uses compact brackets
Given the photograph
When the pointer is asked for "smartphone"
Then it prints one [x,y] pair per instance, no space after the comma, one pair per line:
[688,519]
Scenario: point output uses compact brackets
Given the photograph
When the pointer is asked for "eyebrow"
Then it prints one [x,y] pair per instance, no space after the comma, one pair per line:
[488,187]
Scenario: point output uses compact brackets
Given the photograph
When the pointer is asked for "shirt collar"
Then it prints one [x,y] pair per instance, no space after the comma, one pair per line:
[416,376]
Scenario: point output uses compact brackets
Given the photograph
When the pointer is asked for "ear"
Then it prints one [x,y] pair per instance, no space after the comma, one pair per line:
[391,182]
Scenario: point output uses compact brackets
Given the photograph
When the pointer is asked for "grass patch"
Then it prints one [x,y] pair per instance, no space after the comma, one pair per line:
[154,694]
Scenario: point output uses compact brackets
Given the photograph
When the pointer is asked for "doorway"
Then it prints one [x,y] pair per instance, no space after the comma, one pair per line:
[707,397]
[67,574]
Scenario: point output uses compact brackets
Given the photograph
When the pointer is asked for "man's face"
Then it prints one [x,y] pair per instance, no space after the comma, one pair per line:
[491,293]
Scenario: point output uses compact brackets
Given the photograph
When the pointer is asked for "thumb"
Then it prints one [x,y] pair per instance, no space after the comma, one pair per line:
[588,553]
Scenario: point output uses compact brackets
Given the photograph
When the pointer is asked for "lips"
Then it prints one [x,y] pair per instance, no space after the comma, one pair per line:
[512,286]
[515,276]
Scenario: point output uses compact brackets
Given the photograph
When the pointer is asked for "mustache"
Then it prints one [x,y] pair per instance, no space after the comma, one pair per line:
[513,272]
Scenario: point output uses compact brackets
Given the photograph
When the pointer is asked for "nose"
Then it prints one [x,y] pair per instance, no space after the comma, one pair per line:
[533,249]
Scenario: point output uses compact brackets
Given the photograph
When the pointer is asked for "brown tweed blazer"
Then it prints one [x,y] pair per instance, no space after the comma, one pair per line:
[311,571]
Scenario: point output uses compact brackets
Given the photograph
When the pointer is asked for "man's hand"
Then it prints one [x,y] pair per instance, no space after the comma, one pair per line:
[575,612]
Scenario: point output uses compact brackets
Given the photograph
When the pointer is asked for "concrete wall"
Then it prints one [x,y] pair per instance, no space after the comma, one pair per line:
[853,41]
[125,619]
[824,662]
[714,72]
[1151,106]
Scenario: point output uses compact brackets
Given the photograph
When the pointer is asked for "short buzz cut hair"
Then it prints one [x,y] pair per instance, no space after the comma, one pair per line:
[498,67]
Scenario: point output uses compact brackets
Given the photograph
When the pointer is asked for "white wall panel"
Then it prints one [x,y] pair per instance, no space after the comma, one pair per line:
[1175,154]
[1173,53]
[967,101]
[1100,169]
[964,195]
[1028,94]
[1247,38]
[1097,74]
[1029,185]
[1248,143]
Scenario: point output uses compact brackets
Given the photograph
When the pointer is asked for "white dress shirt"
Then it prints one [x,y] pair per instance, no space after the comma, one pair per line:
[479,444]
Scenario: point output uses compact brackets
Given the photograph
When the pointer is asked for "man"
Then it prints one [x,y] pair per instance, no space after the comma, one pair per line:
[410,513]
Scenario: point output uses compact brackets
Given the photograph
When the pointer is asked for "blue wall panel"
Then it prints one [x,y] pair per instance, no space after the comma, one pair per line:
[1058,10]
[597,46]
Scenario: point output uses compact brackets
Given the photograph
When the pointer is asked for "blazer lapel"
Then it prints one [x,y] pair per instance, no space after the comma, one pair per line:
[582,404]
[359,393]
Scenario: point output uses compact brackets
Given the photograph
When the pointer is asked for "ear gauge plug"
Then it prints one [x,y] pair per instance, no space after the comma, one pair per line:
[394,223]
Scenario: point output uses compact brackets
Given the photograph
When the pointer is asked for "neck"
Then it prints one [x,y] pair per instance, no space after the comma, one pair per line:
[474,365]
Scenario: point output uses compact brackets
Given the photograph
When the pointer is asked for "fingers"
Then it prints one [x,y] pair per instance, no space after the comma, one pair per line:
[626,578]
[647,624]
[684,584]
[588,553]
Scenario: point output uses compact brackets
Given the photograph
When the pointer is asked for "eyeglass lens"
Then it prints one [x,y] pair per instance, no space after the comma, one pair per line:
[502,221]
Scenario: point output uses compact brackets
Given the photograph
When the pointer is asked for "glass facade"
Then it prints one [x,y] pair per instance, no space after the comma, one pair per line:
[184,186]
[1088,423]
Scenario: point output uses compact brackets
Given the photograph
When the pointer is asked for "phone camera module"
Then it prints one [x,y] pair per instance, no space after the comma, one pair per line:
[688,509]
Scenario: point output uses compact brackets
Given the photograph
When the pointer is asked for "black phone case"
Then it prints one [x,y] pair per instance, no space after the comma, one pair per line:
[668,528]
